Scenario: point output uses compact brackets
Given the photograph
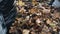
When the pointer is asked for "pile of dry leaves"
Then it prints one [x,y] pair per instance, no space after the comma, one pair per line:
[36,18]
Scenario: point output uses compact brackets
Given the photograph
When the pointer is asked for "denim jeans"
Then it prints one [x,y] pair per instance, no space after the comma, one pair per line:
[2,30]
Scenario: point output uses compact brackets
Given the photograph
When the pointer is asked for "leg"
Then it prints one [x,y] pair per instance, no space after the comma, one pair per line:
[3,29]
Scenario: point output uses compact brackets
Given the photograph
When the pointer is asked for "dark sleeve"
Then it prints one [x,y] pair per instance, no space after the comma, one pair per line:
[9,11]
[6,4]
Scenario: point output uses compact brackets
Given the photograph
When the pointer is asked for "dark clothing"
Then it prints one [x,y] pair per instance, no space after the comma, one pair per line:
[8,13]
[8,10]
[6,4]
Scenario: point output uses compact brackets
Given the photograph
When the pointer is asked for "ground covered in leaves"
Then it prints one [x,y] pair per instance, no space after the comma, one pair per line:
[36,18]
